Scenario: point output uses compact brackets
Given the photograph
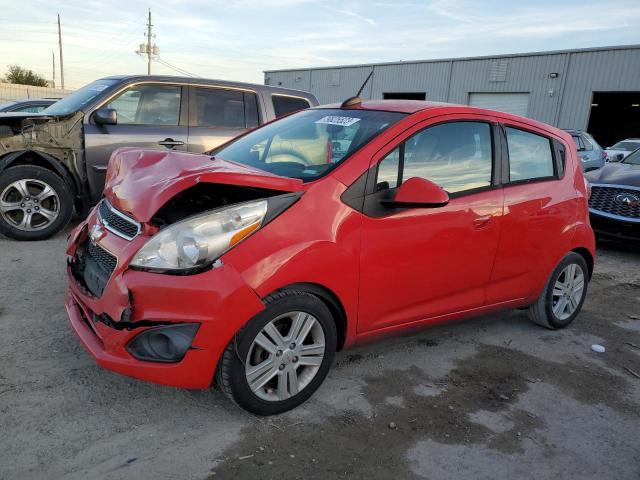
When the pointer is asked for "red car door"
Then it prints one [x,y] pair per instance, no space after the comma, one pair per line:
[423,263]
[540,209]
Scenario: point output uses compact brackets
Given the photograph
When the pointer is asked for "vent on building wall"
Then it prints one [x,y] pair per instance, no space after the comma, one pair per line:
[498,70]
[335,79]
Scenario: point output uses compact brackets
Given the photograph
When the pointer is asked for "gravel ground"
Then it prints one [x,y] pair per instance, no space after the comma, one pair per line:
[495,397]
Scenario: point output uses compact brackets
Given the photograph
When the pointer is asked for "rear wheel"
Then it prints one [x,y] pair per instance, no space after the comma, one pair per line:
[35,203]
[281,356]
[563,295]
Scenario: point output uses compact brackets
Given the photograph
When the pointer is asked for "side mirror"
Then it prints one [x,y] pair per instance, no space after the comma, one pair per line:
[619,157]
[105,116]
[417,192]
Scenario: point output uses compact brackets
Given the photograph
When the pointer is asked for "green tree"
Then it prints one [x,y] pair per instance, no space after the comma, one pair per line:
[24,76]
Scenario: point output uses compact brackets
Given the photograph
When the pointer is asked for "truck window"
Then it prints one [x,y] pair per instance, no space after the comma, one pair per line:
[148,105]
[218,107]
[284,105]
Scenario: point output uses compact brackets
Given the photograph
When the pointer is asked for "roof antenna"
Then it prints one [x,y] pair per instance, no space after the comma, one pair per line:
[354,101]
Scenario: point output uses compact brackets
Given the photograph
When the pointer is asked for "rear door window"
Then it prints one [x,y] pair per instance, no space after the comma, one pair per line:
[530,155]
[218,107]
[284,105]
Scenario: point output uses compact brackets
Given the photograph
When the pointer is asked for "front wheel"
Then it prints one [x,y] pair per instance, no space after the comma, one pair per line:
[35,203]
[280,358]
[563,295]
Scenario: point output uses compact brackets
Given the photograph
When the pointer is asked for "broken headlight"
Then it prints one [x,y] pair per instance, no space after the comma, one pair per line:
[200,239]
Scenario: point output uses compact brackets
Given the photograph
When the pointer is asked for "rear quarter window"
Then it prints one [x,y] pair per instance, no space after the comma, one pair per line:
[283,105]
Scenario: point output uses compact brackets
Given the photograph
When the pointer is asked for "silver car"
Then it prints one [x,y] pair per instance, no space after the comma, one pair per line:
[622,149]
[591,154]
[55,161]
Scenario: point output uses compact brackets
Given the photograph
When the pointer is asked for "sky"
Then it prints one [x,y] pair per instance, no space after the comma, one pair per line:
[239,39]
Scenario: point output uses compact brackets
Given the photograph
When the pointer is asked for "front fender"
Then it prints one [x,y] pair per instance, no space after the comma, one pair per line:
[307,245]
[49,160]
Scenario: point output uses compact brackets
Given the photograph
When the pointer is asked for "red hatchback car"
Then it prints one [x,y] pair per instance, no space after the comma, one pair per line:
[253,265]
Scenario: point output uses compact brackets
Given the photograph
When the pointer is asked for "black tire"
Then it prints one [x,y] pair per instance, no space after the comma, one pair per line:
[230,373]
[541,312]
[59,186]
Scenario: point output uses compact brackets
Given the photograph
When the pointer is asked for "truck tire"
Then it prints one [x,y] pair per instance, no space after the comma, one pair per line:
[35,203]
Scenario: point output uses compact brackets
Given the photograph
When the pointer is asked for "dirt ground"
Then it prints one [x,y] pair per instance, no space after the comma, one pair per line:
[490,398]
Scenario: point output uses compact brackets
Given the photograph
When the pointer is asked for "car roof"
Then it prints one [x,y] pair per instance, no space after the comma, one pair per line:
[401,106]
[415,106]
[206,81]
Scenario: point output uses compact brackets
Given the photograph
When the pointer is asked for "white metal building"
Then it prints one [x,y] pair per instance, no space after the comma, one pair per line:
[594,89]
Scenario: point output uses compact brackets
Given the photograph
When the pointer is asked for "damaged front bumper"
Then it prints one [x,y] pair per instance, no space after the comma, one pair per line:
[131,302]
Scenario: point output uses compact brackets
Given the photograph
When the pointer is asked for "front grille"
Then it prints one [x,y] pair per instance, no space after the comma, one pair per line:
[604,200]
[117,222]
[103,258]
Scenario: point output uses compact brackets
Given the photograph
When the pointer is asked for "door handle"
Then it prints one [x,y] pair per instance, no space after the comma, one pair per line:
[482,222]
[170,142]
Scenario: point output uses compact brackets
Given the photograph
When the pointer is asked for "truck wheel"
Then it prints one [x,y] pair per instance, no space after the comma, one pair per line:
[563,295]
[35,203]
[281,356]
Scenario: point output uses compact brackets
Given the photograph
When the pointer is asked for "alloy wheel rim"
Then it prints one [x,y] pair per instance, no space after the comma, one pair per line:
[29,204]
[285,356]
[568,291]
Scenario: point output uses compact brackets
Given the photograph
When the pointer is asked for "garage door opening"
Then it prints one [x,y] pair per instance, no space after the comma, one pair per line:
[404,95]
[614,117]
[515,103]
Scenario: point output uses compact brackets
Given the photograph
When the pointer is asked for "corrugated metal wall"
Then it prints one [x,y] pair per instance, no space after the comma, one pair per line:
[563,101]
[603,71]
[12,91]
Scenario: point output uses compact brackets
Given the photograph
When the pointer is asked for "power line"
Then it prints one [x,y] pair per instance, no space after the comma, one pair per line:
[177,69]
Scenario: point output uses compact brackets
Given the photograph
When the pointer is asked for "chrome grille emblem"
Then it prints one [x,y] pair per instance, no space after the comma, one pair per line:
[628,199]
[96,233]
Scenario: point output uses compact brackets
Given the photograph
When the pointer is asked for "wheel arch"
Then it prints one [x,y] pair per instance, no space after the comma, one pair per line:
[588,257]
[330,299]
[41,159]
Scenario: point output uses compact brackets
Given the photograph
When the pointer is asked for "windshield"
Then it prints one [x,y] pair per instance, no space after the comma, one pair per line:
[308,144]
[79,98]
[626,146]
[633,158]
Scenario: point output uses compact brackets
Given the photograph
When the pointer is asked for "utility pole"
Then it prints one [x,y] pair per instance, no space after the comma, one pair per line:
[149,49]
[53,65]
[60,45]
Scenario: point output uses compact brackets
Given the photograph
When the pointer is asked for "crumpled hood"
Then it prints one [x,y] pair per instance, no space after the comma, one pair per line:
[139,181]
[616,174]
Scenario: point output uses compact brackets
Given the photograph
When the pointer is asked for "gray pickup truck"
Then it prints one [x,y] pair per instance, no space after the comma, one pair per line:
[54,162]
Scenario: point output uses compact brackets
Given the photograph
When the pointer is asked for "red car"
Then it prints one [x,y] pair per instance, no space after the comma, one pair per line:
[253,265]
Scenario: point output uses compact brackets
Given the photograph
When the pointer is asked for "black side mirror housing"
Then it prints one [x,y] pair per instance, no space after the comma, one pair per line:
[105,116]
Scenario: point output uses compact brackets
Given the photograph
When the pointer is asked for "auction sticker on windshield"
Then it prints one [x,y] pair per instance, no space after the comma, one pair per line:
[337,120]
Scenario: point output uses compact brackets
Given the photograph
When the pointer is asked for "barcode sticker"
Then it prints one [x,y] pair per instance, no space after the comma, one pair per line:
[336,120]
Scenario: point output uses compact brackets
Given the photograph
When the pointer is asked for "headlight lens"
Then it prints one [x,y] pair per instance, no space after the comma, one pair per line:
[199,240]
